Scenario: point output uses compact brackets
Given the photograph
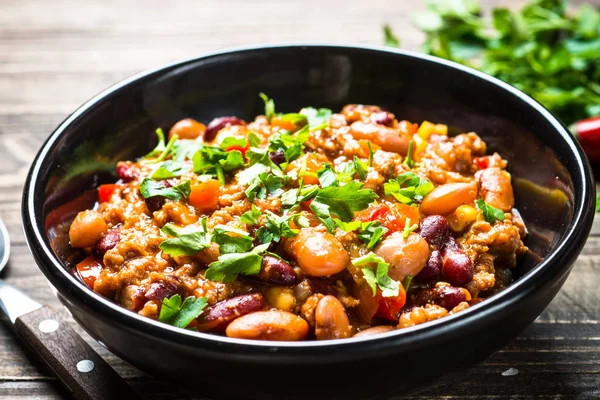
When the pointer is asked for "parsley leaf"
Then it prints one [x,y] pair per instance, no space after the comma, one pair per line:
[251,217]
[231,240]
[269,106]
[379,278]
[408,228]
[370,232]
[317,116]
[186,241]
[229,266]
[408,161]
[150,188]
[491,214]
[216,161]
[170,169]
[160,147]
[180,315]
[361,168]
[265,184]
[185,149]
[327,177]
[294,196]
[408,188]
[277,227]
[406,282]
[342,202]
[233,141]
[389,38]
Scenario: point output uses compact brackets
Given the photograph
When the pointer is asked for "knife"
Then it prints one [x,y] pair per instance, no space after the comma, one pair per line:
[85,374]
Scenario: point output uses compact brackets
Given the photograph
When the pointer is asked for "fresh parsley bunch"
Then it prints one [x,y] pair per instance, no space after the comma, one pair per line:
[543,50]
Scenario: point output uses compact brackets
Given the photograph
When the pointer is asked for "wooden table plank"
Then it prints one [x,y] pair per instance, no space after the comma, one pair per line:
[54,55]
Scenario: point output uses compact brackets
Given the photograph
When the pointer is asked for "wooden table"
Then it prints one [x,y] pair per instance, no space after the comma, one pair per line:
[54,55]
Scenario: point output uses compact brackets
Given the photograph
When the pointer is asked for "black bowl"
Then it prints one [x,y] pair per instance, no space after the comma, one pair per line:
[551,176]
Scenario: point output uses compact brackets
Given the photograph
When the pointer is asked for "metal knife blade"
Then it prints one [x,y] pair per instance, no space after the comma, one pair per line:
[15,303]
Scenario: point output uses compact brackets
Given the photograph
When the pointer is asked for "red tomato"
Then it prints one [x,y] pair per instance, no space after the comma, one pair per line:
[384,214]
[588,133]
[89,269]
[389,307]
[241,149]
[481,162]
[305,205]
[105,191]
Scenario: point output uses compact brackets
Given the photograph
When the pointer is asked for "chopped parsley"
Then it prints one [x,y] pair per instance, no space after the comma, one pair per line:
[251,217]
[216,161]
[408,228]
[408,161]
[265,184]
[173,312]
[277,227]
[150,188]
[491,214]
[408,188]
[160,147]
[269,106]
[185,149]
[315,116]
[170,169]
[378,278]
[185,241]
[341,202]
[229,266]
[231,240]
[361,168]
[370,232]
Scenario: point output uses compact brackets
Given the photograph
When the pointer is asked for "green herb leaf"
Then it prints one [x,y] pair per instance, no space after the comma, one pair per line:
[251,217]
[233,141]
[170,169]
[370,232]
[213,160]
[342,202]
[231,240]
[186,241]
[408,228]
[327,177]
[379,278]
[317,117]
[160,147]
[150,188]
[406,282]
[491,214]
[361,168]
[408,188]
[277,227]
[269,106]
[408,161]
[180,315]
[229,266]
[263,185]
[389,38]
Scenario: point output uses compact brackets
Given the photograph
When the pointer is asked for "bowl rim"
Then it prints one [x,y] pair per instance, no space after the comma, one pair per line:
[571,242]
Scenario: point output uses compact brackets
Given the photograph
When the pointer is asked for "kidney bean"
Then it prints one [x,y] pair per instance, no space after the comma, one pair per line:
[457,268]
[382,118]
[132,297]
[323,286]
[406,256]
[219,123]
[155,203]
[375,330]
[161,290]
[217,317]
[277,271]
[268,325]
[127,172]
[331,320]
[434,229]
[450,247]
[433,268]
[109,241]
[444,296]
[277,157]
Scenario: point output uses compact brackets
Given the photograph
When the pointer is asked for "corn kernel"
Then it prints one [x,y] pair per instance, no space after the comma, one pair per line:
[426,129]
[440,129]
[420,146]
[463,217]
[280,297]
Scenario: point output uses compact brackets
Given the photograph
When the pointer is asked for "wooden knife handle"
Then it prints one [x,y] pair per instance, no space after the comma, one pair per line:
[85,374]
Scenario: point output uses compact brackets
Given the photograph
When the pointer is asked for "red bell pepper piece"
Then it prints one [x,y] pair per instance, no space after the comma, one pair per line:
[105,192]
[587,132]
[389,307]
[88,270]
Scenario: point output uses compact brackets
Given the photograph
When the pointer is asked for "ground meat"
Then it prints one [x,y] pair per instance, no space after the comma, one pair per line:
[419,315]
